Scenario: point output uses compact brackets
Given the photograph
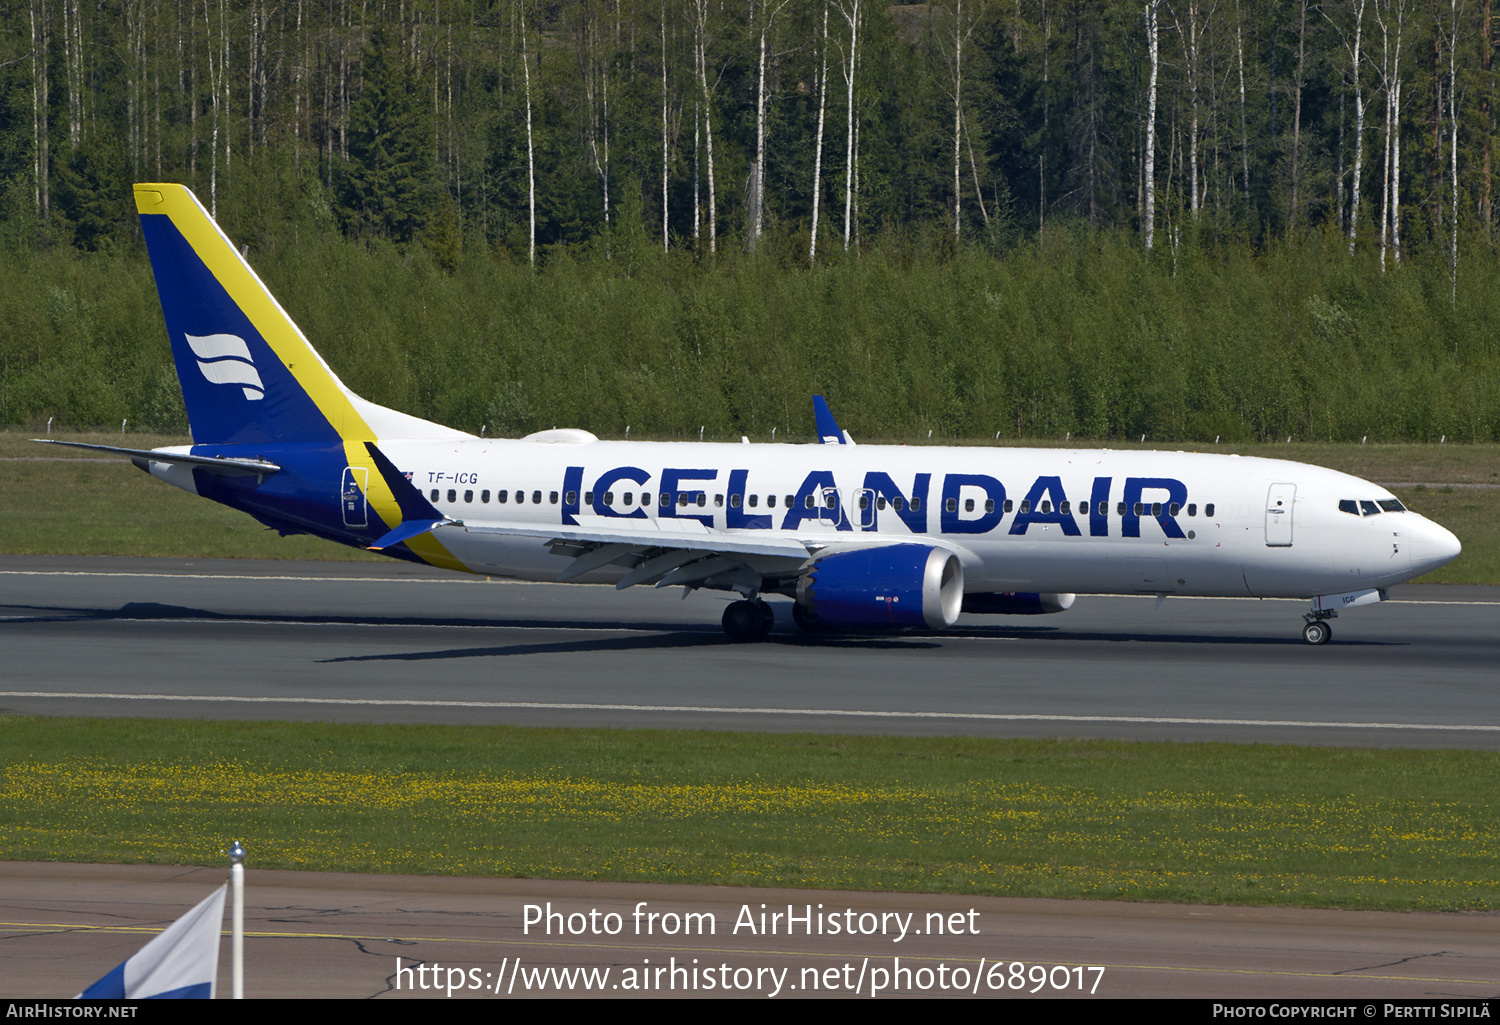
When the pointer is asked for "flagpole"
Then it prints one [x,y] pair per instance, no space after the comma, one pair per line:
[237,921]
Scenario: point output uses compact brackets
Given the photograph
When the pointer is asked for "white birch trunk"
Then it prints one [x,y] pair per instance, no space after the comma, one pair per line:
[1359,122]
[530,149]
[812,252]
[1148,218]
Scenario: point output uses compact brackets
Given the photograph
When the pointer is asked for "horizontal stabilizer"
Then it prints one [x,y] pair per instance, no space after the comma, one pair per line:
[418,516]
[408,530]
[223,466]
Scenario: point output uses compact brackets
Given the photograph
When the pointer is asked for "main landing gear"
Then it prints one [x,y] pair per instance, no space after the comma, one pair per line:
[748,620]
[1318,630]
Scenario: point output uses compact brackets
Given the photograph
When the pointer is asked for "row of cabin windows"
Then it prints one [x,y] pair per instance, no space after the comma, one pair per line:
[1365,507]
[810,502]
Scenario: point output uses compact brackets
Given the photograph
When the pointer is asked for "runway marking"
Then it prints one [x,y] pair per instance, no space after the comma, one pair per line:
[717,710]
[730,951]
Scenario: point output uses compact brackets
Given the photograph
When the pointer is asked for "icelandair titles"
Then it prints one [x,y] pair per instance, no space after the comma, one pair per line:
[969,503]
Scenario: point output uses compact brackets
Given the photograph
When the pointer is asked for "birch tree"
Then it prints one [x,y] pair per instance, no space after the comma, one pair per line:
[1148,215]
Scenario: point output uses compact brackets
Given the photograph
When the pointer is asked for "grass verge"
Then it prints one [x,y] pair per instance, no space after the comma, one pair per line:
[1217,823]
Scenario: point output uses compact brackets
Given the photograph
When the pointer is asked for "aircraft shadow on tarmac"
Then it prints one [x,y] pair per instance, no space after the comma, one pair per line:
[649,635]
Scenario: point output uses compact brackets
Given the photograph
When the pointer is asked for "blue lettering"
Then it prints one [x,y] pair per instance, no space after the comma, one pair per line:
[670,480]
[1134,486]
[882,486]
[952,519]
[1050,488]
[607,480]
[813,487]
[572,481]
[1099,508]
[735,515]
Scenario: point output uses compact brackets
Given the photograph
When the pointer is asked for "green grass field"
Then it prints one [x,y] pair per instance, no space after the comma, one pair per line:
[87,507]
[1219,823]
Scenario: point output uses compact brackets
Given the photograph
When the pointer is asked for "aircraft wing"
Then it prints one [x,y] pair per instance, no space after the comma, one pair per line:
[221,465]
[683,551]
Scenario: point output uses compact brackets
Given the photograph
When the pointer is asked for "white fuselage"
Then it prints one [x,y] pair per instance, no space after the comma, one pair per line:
[1019,519]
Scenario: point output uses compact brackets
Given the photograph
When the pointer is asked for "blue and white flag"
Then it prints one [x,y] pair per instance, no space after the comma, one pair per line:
[183,962]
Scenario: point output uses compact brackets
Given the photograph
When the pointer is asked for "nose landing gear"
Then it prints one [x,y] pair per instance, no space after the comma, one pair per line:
[1318,630]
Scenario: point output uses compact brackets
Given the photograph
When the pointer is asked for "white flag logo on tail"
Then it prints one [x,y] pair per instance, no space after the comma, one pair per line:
[183,962]
[225,359]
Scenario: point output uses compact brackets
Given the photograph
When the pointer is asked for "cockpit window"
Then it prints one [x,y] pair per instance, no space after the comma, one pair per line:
[1368,507]
[1349,506]
[1392,505]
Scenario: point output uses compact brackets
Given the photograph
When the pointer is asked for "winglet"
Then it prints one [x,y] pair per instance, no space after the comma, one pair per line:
[418,515]
[828,428]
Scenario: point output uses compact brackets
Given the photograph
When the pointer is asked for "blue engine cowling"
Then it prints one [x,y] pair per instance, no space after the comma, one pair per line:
[1017,603]
[892,586]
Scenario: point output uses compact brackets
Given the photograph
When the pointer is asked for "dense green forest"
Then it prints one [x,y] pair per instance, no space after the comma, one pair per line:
[1032,217]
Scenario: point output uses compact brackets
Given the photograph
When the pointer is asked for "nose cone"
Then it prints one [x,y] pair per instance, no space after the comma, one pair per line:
[1431,545]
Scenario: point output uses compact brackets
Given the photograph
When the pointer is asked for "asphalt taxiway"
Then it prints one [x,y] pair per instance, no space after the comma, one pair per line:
[398,643]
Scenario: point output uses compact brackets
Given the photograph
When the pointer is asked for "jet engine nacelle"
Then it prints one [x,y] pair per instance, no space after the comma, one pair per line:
[1017,603]
[892,586]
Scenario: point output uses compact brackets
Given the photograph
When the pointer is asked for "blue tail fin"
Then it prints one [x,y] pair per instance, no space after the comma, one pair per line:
[248,375]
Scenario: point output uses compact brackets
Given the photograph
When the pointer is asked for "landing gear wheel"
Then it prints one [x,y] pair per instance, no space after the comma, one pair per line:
[1317,632]
[805,619]
[747,620]
[768,617]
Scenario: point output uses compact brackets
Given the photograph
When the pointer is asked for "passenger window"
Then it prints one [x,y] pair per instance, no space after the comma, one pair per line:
[572,497]
[830,501]
[951,505]
[806,502]
[718,501]
[1064,509]
[629,497]
[1348,505]
[609,498]
[588,498]
[1120,509]
[1139,508]
[770,501]
[502,497]
[754,501]
[916,505]
[520,497]
[645,498]
[1192,508]
[968,505]
[682,499]
[989,505]
[484,496]
[1174,509]
[1025,506]
[864,502]
[1368,507]
[734,501]
[469,497]
[1208,510]
[1155,508]
[434,494]
[1010,505]
[898,503]
[1046,506]
[452,495]
[703,499]
[551,498]
[880,502]
[665,499]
